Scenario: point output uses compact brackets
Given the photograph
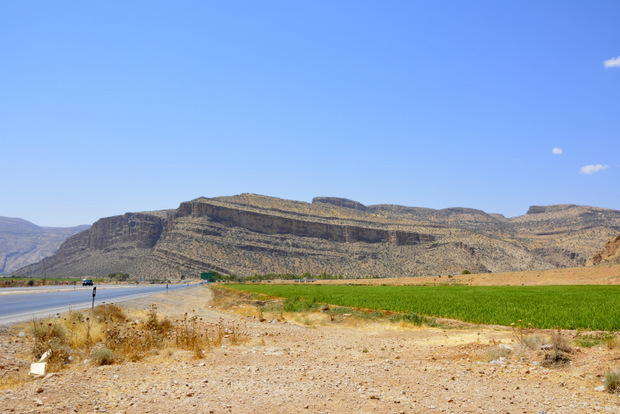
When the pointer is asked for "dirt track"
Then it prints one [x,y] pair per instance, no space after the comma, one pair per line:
[321,368]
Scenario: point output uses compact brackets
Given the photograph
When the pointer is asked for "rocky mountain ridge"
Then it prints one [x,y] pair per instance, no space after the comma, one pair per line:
[249,234]
[23,243]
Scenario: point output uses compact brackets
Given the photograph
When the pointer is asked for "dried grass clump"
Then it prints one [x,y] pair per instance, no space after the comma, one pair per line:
[534,342]
[110,312]
[106,336]
[102,356]
[612,380]
[556,359]
[12,379]
[191,334]
[497,353]
[561,342]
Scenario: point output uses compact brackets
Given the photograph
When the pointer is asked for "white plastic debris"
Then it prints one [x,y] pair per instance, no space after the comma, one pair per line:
[45,355]
[38,368]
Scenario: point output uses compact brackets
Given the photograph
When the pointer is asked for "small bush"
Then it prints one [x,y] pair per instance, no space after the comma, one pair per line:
[102,356]
[534,341]
[45,335]
[560,342]
[45,331]
[59,356]
[555,359]
[109,312]
[497,352]
[612,380]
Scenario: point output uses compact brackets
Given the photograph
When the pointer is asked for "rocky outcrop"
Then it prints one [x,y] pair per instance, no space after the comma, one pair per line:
[140,230]
[250,234]
[549,209]
[609,254]
[340,202]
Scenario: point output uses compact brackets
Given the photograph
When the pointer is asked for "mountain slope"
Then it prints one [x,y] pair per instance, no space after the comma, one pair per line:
[248,234]
[23,243]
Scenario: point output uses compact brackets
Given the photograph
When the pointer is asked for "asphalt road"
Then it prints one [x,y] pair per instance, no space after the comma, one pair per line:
[25,306]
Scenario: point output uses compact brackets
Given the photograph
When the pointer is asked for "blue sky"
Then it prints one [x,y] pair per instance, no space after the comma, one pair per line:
[115,106]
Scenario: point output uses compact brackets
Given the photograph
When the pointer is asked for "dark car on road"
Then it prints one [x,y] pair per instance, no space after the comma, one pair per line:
[87,282]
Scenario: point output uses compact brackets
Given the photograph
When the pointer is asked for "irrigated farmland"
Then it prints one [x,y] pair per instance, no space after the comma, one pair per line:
[566,307]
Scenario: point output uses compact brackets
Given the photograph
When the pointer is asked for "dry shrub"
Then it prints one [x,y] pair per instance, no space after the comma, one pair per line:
[131,341]
[154,324]
[534,342]
[612,380]
[110,312]
[556,359]
[560,342]
[521,330]
[107,336]
[102,356]
[497,352]
[191,334]
[44,333]
[83,333]
[60,355]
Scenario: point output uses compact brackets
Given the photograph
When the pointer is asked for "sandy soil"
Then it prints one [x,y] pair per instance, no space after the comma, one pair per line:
[590,275]
[320,367]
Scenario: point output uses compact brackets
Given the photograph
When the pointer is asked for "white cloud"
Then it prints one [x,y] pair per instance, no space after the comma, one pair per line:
[557,151]
[591,169]
[613,62]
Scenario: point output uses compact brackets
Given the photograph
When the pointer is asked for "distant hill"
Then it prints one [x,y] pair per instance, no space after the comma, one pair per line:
[250,234]
[23,243]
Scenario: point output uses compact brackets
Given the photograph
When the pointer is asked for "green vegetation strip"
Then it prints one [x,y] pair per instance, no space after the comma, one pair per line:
[566,307]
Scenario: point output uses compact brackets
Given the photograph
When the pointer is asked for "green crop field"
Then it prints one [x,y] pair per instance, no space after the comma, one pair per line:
[567,307]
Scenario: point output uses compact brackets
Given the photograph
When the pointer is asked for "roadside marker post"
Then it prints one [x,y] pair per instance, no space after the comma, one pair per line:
[94,293]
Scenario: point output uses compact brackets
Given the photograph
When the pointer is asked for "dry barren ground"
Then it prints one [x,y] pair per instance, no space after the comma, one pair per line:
[318,367]
[591,275]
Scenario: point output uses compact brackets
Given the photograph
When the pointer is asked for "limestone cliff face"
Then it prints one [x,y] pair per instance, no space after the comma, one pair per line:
[250,234]
[274,224]
[140,230]
[609,254]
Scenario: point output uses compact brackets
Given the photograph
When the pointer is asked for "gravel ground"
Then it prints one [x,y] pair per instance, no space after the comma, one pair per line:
[286,367]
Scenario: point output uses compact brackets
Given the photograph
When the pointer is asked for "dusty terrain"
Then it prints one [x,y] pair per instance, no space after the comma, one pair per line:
[607,274]
[318,367]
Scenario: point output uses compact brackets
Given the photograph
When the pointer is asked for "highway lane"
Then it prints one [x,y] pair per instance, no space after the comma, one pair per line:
[22,307]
